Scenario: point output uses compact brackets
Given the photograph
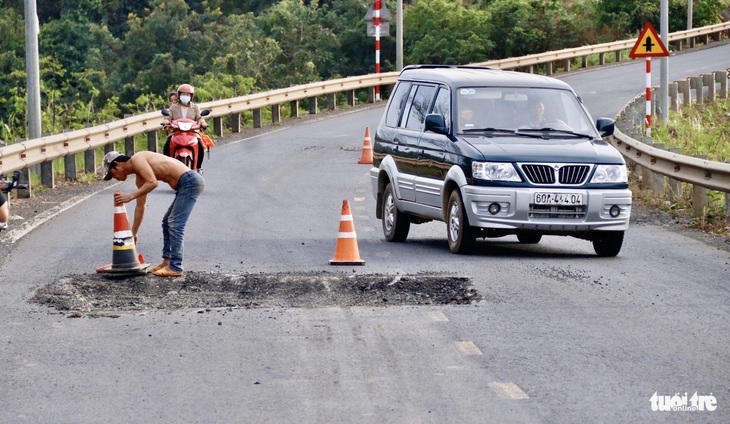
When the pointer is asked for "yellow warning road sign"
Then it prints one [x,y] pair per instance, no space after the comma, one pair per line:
[648,44]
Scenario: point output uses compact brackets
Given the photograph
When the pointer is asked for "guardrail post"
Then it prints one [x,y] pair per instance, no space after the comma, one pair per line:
[108,147]
[152,138]
[313,105]
[549,68]
[692,42]
[584,61]
[709,81]
[294,106]
[69,166]
[257,118]
[721,77]
[218,126]
[129,146]
[25,179]
[683,88]
[332,101]
[696,84]
[673,101]
[351,98]
[657,181]
[675,186]
[371,94]
[236,122]
[646,175]
[618,56]
[699,195]
[89,161]
[275,114]
[48,178]
[566,65]
[601,58]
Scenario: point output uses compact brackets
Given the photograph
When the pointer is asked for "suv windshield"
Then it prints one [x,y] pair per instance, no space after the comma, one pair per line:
[522,111]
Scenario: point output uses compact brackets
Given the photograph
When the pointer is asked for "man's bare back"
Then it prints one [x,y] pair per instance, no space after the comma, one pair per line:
[164,168]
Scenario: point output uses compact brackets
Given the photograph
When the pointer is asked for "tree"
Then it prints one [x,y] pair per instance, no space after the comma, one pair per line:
[444,31]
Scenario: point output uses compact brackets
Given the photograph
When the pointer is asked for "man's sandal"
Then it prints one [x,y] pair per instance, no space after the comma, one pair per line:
[156,268]
[167,272]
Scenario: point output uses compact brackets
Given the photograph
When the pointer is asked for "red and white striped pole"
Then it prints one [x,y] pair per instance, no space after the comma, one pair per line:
[648,96]
[376,15]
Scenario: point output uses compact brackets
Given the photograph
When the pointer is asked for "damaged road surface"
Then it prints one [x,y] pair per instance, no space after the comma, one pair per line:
[95,294]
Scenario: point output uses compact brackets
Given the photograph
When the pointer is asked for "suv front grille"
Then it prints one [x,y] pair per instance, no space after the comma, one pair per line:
[566,174]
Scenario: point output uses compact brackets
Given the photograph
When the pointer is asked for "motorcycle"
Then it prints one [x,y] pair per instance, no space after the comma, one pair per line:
[184,145]
[9,186]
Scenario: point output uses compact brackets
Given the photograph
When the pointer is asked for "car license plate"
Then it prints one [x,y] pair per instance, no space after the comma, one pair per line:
[542,198]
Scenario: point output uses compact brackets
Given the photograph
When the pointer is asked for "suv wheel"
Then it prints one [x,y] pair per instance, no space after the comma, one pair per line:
[395,223]
[608,243]
[461,235]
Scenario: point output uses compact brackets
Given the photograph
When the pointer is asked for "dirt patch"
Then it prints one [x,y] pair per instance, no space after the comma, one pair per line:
[98,295]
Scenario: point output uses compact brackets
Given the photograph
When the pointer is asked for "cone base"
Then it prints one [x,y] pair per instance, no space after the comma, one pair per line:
[110,271]
[335,262]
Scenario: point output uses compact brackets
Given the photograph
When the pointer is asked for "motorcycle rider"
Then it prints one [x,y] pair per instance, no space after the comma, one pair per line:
[185,108]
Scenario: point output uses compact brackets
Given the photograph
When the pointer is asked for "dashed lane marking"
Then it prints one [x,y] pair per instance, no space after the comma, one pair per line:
[437,316]
[468,348]
[507,390]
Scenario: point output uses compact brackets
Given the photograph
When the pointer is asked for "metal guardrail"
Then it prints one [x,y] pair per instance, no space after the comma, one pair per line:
[45,149]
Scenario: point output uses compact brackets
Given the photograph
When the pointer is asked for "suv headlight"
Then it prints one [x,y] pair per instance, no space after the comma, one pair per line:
[494,171]
[610,174]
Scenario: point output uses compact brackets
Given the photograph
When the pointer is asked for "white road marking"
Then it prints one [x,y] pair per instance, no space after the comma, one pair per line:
[507,390]
[437,316]
[468,348]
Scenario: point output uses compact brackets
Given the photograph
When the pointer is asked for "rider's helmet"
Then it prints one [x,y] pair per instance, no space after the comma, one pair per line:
[186,88]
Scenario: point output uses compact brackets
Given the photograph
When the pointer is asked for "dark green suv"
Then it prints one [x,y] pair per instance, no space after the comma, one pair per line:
[494,153]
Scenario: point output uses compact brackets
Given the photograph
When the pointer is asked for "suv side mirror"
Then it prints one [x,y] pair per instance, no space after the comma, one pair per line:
[605,126]
[436,123]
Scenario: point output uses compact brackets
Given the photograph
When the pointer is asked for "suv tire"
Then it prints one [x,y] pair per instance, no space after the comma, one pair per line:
[609,243]
[396,224]
[461,235]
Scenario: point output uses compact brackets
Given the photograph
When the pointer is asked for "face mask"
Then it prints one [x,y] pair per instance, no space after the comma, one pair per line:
[185,99]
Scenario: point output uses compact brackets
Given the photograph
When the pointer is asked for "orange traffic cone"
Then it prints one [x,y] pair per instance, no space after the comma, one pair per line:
[346,251]
[125,260]
[367,149]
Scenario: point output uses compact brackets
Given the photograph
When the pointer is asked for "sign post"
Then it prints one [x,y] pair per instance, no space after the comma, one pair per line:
[648,45]
[378,18]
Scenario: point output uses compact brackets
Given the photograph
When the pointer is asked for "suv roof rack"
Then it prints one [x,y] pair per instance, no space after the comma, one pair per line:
[438,66]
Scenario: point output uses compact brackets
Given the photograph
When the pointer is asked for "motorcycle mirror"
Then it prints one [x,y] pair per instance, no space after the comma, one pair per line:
[165,112]
[205,112]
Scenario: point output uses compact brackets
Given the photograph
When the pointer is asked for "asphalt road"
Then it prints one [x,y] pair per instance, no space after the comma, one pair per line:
[561,336]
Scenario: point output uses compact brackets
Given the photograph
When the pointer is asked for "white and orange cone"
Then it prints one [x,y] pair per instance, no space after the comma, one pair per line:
[367,148]
[125,260]
[346,251]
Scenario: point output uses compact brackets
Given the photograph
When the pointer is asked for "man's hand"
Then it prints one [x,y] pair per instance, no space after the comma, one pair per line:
[120,197]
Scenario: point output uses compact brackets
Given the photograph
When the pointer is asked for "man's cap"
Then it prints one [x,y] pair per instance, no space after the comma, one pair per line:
[108,159]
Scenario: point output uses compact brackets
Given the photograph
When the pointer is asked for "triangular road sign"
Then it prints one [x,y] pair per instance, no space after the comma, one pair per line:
[648,44]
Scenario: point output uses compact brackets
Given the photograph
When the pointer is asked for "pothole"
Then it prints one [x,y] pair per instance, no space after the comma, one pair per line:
[93,293]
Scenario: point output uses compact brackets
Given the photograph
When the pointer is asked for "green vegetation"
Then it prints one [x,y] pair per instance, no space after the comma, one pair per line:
[698,130]
[102,59]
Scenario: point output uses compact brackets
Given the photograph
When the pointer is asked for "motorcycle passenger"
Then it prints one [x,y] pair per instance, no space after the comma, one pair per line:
[185,108]
[4,209]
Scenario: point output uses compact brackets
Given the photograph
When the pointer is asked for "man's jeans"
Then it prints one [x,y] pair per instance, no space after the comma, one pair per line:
[189,187]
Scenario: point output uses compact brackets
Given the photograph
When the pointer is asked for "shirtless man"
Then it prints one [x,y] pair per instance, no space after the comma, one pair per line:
[150,167]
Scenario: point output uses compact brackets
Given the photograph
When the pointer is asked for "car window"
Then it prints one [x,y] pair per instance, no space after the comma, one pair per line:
[397,102]
[442,105]
[419,107]
[521,108]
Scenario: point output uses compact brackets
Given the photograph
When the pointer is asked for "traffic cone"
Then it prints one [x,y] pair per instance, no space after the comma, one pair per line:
[367,149]
[125,260]
[346,251]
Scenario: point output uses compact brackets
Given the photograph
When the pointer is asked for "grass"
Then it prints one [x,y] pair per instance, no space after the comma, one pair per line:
[697,130]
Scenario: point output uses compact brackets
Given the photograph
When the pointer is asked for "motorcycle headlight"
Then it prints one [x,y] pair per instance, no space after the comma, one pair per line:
[610,174]
[494,171]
